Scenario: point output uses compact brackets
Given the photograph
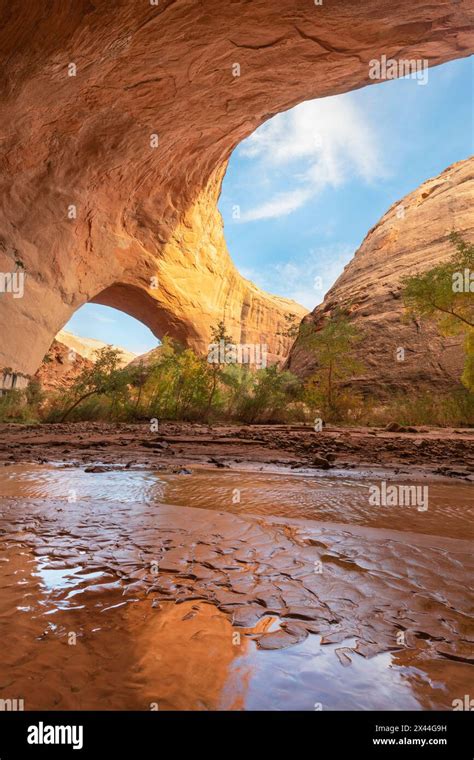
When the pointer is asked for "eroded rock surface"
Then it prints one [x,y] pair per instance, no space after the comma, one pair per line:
[91,211]
[88,347]
[61,367]
[371,592]
[447,451]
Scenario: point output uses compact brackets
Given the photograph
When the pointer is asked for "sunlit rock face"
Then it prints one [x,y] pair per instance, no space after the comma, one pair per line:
[88,347]
[61,367]
[402,354]
[68,356]
[118,122]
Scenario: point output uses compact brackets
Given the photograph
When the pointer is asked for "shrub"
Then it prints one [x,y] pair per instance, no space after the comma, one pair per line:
[14,407]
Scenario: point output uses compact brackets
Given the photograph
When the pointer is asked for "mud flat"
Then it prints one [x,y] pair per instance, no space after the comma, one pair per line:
[444,451]
[114,596]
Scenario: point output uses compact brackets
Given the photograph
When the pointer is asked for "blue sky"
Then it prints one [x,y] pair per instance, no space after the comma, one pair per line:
[308,185]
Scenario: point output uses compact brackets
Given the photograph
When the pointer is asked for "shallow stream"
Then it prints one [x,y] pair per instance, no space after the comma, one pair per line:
[225,589]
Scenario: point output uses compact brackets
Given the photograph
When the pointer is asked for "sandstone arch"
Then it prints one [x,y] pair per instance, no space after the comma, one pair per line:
[83,141]
[139,304]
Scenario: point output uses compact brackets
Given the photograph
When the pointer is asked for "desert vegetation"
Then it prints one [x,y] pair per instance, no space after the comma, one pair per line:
[177,384]
[445,294]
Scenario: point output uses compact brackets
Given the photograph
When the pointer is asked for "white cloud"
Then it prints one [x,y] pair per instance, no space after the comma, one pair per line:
[317,144]
[100,318]
[305,279]
[281,204]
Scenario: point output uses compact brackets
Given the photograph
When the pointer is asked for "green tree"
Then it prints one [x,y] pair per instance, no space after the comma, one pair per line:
[273,389]
[238,382]
[178,384]
[192,385]
[216,361]
[34,393]
[104,378]
[159,385]
[443,294]
[138,376]
[333,347]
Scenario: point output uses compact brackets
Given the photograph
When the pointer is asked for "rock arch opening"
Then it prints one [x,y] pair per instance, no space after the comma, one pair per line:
[303,190]
[145,208]
[374,215]
[107,325]
[144,305]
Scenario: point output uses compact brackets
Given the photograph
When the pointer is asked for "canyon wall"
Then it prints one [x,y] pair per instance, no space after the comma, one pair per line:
[118,122]
[87,347]
[61,367]
[412,236]
[68,356]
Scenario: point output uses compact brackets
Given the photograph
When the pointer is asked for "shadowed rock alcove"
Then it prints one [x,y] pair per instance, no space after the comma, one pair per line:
[118,125]
[138,303]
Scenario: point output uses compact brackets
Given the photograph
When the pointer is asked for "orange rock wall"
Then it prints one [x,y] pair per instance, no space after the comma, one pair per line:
[93,212]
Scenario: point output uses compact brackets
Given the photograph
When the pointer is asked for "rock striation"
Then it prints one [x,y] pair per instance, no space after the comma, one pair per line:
[60,368]
[118,122]
[87,347]
[68,356]
[412,236]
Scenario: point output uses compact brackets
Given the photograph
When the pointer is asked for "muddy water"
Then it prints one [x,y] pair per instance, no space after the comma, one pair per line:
[131,589]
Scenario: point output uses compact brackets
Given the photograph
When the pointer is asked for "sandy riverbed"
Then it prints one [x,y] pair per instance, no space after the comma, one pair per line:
[139,586]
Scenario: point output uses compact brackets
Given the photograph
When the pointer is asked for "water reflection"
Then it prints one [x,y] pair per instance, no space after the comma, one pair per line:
[81,630]
[303,496]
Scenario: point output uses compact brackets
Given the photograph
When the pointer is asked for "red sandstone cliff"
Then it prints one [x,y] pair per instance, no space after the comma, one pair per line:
[118,122]
[412,236]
